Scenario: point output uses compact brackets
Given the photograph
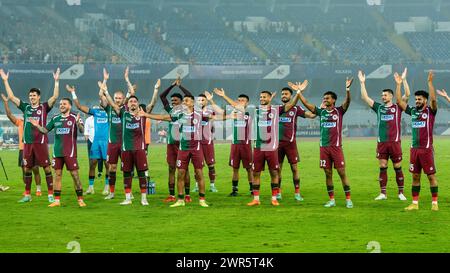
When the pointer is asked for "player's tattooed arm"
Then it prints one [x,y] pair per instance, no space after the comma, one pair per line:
[111,102]
[398,91]
[51,101]
[432,91]
[221,93]
[142,113]
[405,97]
[364,95]
[152,103]
[8,112]
[36,124]
[5,77]
[347,99]
[80,123]
[71,90]
[299,87]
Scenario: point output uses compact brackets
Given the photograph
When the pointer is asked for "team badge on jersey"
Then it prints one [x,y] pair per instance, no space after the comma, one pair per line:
[195,121]
[424,116]
[270,115]
[69,123]
[335,117]
[291,113]
[393,110]
[39,112]
[138,118]
[245,117]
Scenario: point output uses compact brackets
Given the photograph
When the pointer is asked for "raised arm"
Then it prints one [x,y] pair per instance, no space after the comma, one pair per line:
[405,97]
[300,88]
[364,96]
[35,123]
[185,91]
[398,92]
[10,116]
[51,101]
[103,100]
[5,77]
[347,99]
[296,86]
[131,89]
[216,107]
[432,91]
[71,89]
[152,103]
[142,113]
[443,93]
[310,115]
[111,102]
[163,95]
[221,93]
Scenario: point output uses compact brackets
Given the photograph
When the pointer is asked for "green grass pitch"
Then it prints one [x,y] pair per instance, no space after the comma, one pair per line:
[228,225]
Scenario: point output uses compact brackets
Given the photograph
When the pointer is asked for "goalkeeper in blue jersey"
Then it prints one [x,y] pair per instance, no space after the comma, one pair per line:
[99,145]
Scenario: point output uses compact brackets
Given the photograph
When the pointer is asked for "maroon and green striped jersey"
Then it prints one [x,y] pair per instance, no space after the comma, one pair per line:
[115,125]
[190,129]
[330,126]
[267,126]
[133,131]
[389,122]
[422,123]
[173,136]
[207,126]
[242,124]
[65,135]
[30,133]
[288,123]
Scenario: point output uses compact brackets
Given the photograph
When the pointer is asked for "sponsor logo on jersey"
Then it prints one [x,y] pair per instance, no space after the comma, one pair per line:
[328,124]
[188,129]
[58,124]
[116,120]
[102,120]
[387,117]
[265,123]
[132,126]
[62,131]
[35,118]
[418,124]
[285,119]
[204,123]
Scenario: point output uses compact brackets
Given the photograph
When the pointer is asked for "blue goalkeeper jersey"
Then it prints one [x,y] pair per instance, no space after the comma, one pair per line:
[101,125]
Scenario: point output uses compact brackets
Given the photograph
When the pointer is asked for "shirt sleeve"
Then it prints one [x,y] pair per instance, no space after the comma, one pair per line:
[92,111]
[318,111]
[51,124]
[300,112]
[408,110]
[47,107]
[376,106]
[341,110]
[22,106]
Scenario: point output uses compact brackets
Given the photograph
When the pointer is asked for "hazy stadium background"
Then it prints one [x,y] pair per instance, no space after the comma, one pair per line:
[242,46]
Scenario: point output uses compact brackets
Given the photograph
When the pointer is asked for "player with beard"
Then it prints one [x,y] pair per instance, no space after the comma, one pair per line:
[133,144]
[422,151]
[66,125]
